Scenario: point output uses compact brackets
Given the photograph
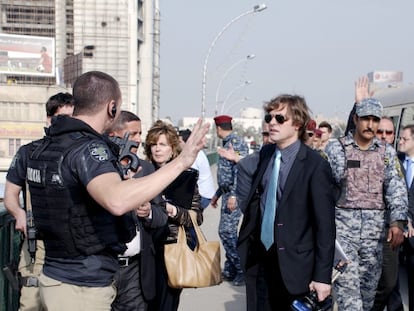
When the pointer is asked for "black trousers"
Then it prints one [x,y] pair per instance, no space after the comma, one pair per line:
[388,294]
[279,297]
[129,295]
[167,298]
[256,289]
[409,262]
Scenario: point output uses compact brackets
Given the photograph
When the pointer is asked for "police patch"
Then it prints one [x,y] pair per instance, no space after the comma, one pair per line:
[398,167]
[99,152]
[14,161]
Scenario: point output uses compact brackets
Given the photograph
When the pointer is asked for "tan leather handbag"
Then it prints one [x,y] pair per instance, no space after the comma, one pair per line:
[188,268]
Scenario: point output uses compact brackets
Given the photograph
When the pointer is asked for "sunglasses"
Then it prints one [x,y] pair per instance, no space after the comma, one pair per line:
[278,117]
[387,132]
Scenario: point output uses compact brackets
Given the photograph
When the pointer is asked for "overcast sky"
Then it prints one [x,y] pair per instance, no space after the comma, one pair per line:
[314,48]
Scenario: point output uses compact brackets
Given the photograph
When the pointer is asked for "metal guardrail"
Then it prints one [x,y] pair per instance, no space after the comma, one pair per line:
[212,158]
[9,241]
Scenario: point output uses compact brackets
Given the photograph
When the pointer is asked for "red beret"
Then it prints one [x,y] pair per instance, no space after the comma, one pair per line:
[311,126]
[222,119]
[318,132]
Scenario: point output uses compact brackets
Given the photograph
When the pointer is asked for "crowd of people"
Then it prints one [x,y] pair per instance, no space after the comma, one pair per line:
[101,228]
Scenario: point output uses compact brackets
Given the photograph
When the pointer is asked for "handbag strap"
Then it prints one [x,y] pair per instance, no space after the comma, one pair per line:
[200,236]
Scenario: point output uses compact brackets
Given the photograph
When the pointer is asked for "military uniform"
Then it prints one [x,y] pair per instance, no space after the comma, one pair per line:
[370,182]
[229,221]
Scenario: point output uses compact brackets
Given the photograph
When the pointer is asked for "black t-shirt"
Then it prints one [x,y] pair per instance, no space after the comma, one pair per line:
[80,166]
[17,170]
[84,164]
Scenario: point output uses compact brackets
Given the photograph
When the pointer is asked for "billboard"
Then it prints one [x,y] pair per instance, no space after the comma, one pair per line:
[385,76]
[27,55]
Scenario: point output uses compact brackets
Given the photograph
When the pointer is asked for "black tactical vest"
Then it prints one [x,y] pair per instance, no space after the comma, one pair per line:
[69,221]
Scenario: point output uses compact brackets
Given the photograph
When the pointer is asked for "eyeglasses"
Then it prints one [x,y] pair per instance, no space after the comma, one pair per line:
[278,117]
[387,132]
[404,139]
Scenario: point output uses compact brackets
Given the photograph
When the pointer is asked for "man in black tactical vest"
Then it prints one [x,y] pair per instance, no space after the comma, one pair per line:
[80,201]
[32,250]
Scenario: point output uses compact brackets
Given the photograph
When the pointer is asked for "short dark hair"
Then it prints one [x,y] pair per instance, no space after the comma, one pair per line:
[93,89]
[184,134]
[124,117]
[327,125]
[57,101]
[225,126]
[409,127]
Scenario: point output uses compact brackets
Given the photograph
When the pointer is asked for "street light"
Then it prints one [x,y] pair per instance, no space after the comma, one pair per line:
[256,9]
[235,103]
[230,94]
[248,57]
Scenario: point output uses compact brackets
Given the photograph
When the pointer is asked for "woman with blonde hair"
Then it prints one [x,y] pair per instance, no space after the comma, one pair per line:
[161,146]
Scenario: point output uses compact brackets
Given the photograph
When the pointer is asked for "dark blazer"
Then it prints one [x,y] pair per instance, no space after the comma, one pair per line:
[147,229]
[401,157]
[245,170]
[304,224]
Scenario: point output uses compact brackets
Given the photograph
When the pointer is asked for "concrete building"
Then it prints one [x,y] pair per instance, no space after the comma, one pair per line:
[119,37]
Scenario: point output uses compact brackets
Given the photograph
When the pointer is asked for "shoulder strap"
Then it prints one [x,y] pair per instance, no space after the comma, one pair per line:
[200,236]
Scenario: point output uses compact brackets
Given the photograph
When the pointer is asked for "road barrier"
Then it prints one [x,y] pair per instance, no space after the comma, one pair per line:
[9,241]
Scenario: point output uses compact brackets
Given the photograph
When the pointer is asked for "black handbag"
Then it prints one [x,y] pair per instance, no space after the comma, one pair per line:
[181,191]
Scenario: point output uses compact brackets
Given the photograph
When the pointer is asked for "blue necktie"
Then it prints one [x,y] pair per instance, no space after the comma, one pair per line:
[268,220]
[408,172]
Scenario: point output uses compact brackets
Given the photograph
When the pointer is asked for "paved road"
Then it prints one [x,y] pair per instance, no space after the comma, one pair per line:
[216,298]
[220,297]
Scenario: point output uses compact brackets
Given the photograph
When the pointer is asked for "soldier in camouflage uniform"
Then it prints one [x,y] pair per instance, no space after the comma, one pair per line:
[370,180]
[230,213]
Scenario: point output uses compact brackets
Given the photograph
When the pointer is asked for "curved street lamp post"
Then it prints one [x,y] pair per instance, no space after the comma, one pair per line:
[256,8]
[235,103]
[248,57]
[230,94]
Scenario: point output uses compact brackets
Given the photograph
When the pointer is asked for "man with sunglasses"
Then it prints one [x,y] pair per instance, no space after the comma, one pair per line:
[289,223]
[370,181]
[385,130]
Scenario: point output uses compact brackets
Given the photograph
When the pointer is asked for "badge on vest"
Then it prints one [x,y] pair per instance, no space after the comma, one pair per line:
[34,175]
[99,152]
[353,164]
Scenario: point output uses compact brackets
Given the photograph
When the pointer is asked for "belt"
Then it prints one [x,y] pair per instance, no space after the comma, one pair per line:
[125,261]
[29,281]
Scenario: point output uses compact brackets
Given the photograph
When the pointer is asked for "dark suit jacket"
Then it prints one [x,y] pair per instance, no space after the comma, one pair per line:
[410,190]
[304,224]
[245,170]
[147,228]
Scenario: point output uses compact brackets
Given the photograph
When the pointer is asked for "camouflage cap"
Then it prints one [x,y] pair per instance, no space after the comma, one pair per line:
[369,107]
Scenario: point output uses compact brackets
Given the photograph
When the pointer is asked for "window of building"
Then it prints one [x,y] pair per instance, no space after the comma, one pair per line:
[14,145]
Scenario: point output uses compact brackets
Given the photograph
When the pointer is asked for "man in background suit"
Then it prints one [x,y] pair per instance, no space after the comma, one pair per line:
[406,147]
[299,255]
[135,280]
